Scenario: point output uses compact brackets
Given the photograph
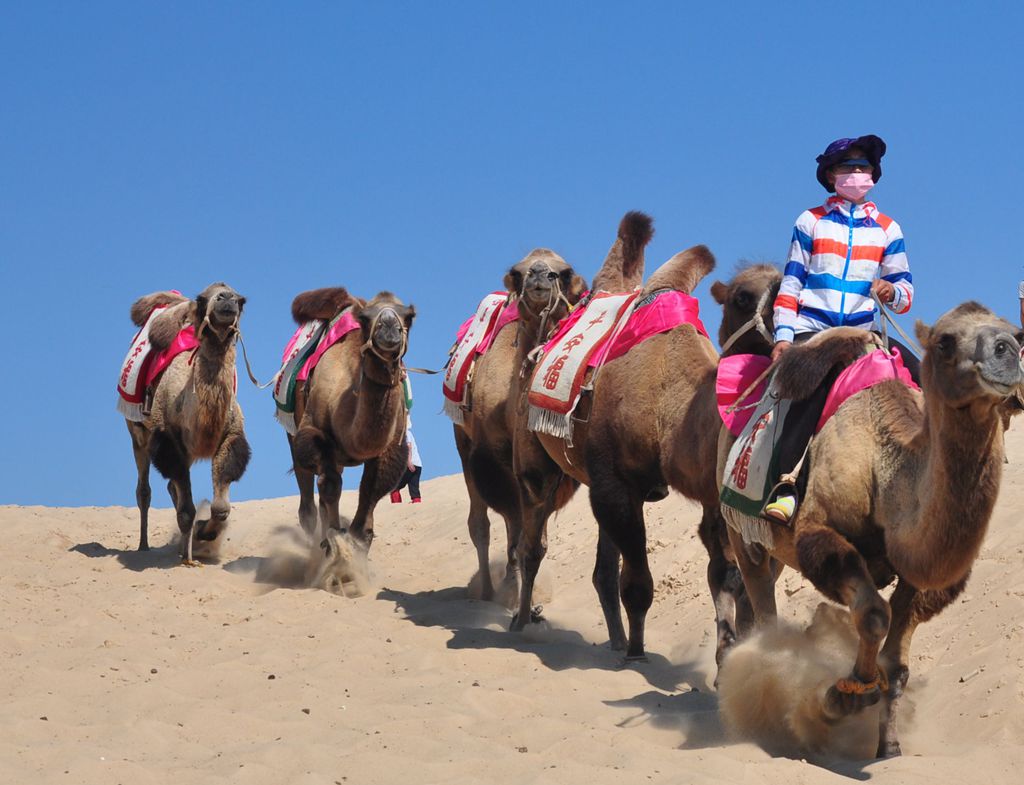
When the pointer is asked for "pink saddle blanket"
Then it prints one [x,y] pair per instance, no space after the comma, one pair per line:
[132,385]
[654,314]
[737,372]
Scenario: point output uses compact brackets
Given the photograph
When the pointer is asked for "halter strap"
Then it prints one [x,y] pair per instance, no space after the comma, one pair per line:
[755,321]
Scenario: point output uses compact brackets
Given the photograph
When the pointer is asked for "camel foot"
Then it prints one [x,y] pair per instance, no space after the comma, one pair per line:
[143,546]
[848,696]
[537,614]
[888,749]
[618,644]
[191,563]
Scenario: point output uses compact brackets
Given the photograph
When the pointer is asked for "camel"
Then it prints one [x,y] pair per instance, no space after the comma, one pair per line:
[920,474]
[632,441]
[544,287]
[194,413]
[351,410]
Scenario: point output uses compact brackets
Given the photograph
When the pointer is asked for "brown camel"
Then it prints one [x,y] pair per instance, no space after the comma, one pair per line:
[544,287]
[194,413]
[351,410]
[920,474]
[650,424]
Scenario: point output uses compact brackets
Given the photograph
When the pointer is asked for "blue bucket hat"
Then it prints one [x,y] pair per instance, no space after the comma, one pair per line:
[873,147]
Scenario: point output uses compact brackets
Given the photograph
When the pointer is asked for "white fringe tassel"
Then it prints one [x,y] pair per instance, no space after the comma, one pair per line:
[131,411]
[543,421]
[455,412]
[287,419]
[753,530]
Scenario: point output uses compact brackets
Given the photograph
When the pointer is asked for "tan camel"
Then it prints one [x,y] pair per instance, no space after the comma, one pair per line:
[920,474]
[544,287]
[194,413]
[646,427]
[351,411]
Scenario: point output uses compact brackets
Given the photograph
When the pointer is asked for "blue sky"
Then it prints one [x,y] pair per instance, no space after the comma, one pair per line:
[424,148]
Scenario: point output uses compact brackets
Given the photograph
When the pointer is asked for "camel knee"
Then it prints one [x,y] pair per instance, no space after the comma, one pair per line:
[168,456]
[308,447]
[220,510]
[234,459]
[835,568]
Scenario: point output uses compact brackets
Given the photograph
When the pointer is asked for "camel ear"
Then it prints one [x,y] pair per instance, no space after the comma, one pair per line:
[573,285]
[409,315]
[202,303]
[513,281]
[923,333]
[720,292]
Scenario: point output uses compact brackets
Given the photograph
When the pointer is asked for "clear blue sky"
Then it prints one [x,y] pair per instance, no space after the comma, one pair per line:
[423,148]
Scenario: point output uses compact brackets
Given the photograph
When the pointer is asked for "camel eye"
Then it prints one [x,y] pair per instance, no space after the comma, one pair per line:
[743,300]
[946,345]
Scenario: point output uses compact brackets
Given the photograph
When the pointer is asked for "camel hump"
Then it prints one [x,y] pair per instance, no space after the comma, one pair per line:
[623,268]
[683,271]
[143,308]
[803,368]
[323,303]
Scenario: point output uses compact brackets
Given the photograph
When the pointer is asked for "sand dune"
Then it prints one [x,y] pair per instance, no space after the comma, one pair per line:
[125,667]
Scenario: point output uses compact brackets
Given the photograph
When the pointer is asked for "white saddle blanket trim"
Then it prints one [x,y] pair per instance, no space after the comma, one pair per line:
[554,392]
[131,380]
[465,352]
[747,480]
[309,335]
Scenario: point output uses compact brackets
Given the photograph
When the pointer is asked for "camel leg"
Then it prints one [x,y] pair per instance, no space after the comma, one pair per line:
[758,578]
[170,460]
[910,608]
[478,523]
[229,465]
[724,581]
[328,485]
[620,514]
[533,546]
[380,476]
[306,481]
[143,493]
[606,584]
[835,568]
[512,546]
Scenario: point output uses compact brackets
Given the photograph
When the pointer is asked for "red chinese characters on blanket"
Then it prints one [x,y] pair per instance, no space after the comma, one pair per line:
[741,468]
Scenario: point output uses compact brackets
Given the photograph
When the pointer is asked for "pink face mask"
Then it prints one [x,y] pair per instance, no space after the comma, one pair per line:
[854,186]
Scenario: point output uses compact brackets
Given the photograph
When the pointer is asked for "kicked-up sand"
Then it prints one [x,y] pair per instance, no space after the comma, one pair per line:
[125,667]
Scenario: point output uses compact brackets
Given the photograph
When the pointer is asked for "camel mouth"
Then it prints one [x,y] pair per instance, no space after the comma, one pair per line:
[1000,389]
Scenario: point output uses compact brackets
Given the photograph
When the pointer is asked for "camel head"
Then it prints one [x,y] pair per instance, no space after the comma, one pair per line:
[753,285]
[971,358]
[385,322]
[218,309]
[544,282]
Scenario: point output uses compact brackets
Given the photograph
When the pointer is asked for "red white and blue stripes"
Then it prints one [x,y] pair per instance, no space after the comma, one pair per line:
[838,250]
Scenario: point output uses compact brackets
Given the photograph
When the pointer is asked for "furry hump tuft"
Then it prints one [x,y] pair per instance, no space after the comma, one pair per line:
[143,307]
[803,368]
[323,303]
[683,271]
[635,230]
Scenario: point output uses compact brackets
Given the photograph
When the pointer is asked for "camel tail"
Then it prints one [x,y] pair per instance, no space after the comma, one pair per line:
[323,303]
[143,307]
[623,268]
[683,271]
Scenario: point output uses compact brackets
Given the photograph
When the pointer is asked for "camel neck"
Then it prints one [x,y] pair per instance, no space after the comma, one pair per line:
[959,472]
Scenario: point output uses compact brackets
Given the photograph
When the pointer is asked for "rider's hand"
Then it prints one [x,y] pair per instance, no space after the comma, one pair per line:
[779,348]
[885,290]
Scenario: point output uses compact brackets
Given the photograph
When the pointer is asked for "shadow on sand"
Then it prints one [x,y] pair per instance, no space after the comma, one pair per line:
[695,716]
[162,558]
[471,623]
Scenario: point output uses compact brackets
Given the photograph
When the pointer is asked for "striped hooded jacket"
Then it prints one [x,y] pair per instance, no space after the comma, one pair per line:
[835,256]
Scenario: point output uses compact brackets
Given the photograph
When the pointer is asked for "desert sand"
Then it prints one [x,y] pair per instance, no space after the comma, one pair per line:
[125,667]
